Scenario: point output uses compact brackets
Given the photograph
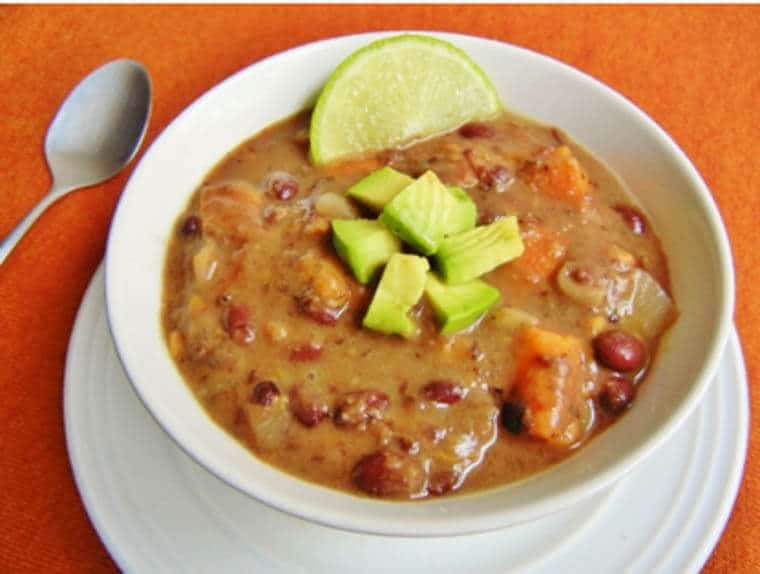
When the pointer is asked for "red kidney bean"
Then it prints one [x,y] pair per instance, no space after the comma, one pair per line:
[384,473]
[237,324]
[306,352]
[359,407]
[619,351]
[283,186]
[476,130]
[309,414]
[237,316]
[633,218]
[308,406]
[616,395]
[512,414]
[264,393]
[191,226]
[444,392]
[311,306]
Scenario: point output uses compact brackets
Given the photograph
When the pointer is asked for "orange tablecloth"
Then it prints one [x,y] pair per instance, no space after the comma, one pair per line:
[695,70]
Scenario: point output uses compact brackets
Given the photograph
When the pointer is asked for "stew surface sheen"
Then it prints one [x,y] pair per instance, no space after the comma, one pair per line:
[264,321]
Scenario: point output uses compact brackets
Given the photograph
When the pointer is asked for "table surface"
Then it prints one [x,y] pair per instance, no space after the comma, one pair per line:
[695,70]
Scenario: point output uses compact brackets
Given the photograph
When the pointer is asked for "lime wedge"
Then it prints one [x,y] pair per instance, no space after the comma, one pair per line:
[395,90]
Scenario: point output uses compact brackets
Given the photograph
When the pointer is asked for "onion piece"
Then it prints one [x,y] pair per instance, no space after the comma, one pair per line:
[644,308]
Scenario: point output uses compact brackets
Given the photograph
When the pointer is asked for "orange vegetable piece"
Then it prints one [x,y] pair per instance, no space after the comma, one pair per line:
[231,209]
[544,251]
[548,381]
[559,175]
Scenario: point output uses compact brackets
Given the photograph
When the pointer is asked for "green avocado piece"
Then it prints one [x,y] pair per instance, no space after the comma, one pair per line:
[379,187]
[364,245]
[470,254]
[424,212]
[400,288]
[464,216]
[459,306]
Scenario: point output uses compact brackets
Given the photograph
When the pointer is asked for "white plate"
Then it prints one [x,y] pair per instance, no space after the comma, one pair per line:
[157,510]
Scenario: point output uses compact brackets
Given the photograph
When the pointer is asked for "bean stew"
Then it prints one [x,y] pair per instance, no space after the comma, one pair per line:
[264,319]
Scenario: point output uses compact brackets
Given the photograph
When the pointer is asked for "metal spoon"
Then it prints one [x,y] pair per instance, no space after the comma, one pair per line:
[96,132]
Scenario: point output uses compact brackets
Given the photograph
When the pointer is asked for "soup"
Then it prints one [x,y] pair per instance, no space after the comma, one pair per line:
[264,320]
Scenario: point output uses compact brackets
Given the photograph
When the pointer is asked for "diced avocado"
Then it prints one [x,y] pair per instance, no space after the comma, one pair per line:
[364,244]
[388,317]
[422,213]
[399,290]
[464,216]
[458,306]
[379,187]
[470,254]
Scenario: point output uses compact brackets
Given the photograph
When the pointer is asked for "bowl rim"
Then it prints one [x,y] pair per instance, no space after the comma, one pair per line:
[415,526]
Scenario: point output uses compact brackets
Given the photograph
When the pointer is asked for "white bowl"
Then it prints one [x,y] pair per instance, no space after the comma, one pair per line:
[681,209]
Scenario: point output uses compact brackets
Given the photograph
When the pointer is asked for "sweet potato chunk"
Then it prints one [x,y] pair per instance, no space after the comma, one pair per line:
[544,251]
[558,174]
[327,288]
[231,209]
[549,383]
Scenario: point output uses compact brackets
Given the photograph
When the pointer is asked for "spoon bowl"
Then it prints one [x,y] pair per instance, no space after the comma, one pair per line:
[94,135]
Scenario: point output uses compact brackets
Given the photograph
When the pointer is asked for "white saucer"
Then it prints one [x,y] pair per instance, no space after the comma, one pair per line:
[156,510]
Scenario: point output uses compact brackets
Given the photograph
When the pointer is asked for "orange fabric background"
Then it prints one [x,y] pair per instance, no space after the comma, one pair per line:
[695,70]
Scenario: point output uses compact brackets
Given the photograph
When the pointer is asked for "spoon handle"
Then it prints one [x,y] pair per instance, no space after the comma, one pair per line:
[10,240]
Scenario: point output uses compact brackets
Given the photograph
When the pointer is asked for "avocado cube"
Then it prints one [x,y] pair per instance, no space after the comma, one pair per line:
[399,289]
[379,187]
[468,255]
[364,245]
[465,216]
[459,306]
[423,213]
